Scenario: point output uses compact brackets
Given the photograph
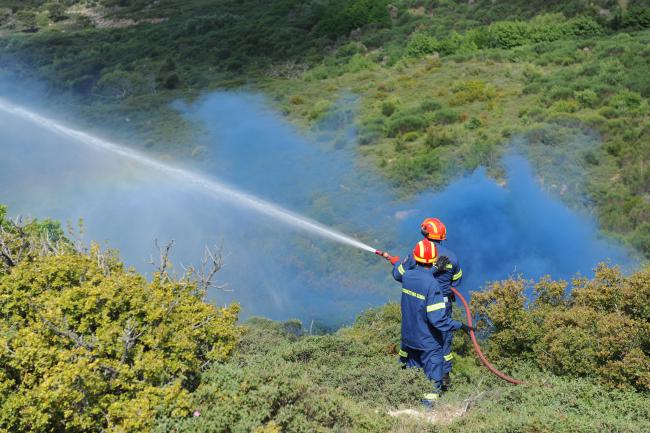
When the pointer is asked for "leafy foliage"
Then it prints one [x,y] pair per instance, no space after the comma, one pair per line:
[600,330]
[87,345]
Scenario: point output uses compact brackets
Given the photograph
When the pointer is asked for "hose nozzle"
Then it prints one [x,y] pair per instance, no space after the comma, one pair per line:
[379,253]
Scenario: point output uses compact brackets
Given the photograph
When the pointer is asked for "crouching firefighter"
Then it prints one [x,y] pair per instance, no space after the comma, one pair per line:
[449,274]
[424,317]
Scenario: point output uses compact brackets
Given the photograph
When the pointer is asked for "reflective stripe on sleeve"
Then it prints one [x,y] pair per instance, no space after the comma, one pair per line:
[416,295]
[458,275]
[403,353]
[449,357]
[434,307]
[431,396]
[400,269]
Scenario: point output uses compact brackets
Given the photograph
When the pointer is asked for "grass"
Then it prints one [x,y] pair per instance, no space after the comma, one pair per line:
[353,380]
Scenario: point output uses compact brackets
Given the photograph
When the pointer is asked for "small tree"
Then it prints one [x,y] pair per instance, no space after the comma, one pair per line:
[89,346]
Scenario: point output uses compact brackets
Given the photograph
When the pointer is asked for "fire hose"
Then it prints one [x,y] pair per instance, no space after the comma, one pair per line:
[477,348]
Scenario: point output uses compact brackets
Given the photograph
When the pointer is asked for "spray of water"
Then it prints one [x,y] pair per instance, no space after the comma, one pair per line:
[211,186]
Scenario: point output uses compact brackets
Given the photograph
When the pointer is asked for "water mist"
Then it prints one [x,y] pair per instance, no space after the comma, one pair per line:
[273,269]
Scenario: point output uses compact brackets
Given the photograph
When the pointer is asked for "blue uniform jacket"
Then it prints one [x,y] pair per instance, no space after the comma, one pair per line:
[451,277]
[423,309]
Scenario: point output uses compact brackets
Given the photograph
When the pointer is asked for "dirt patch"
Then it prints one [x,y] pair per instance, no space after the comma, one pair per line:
[442,414]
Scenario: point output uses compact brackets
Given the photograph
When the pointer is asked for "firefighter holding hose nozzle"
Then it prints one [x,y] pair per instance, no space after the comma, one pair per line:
[425,318]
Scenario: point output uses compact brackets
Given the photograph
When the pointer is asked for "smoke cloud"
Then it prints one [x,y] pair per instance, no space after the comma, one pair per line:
[272,269]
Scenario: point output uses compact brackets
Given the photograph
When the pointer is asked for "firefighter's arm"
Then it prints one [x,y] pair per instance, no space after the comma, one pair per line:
[457,276]
[436,307]
[398,271]
[409,262]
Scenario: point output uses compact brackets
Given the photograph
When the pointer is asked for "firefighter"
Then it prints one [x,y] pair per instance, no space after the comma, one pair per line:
[424,315]
[449,274]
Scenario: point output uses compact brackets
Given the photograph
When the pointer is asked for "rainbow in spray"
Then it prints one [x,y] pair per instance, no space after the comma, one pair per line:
[208,185]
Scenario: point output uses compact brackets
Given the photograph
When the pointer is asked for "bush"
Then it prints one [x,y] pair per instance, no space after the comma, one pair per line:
[402,123]
[359,63]
[269,396]
[320,109]
[430,105]
[410,171]
[509,34]
[437,137]
[600,330]
[587,98]
[302,383]
[636,18]
[564,106]
[342,16]
[472,90]
[89,346]
[421,44]
[410,136]
[388,107]
[447,116]
[56,11]
[584,27]
[626,102]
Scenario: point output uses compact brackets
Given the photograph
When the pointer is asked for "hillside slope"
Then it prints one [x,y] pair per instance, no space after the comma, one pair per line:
[444,86]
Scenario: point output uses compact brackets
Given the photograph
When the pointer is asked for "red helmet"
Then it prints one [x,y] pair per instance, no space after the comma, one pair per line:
[434,229]
[425,252]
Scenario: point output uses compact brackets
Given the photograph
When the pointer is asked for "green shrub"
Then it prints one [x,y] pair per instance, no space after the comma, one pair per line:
[509,34]
[359,63]
[402,123]
[388,107]
[430,105]
[320,109]
[410,136]
[447,116]
[584,26]
[412,170]
[271,393]
[474,123]
[636,18]
[56,11]
[342,16]
[587,98]
[89,346]
[437,137]
[421,44]
[565,106]
[600,330]
[625,101]
[472,90]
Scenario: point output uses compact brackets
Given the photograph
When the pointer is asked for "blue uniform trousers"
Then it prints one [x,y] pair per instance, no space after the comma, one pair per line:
[448,339]
[429,360]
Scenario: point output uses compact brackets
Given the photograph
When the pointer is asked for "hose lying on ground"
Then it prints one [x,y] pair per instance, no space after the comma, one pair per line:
[479,353]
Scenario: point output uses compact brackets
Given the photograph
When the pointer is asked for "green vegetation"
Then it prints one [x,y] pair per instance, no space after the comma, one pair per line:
[281,379]
[89,346]
[444,86]
[600,330]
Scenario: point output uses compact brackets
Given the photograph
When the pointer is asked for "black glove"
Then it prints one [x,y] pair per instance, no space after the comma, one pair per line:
[467,328]
[441,264]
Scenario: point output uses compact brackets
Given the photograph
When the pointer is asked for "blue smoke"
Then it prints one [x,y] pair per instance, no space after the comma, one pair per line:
[272,269]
